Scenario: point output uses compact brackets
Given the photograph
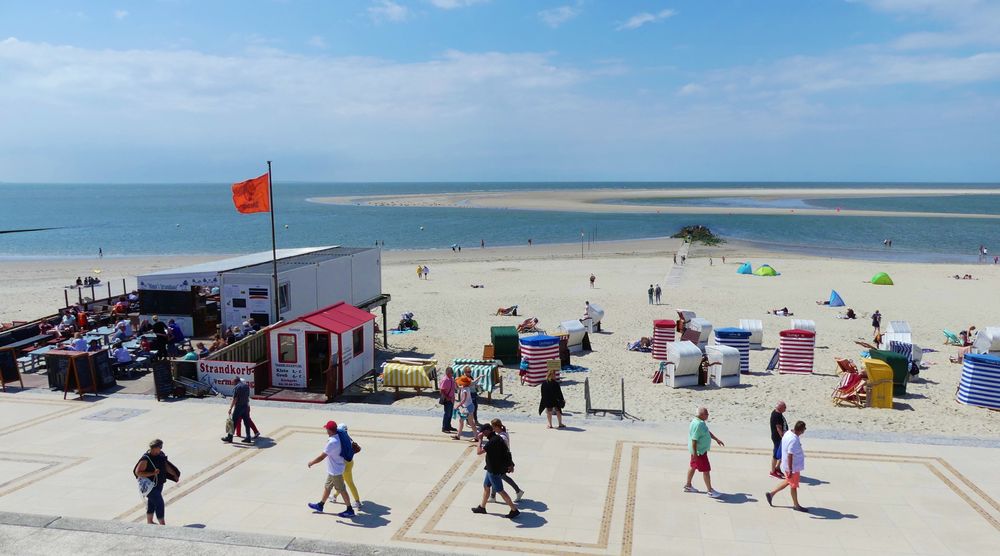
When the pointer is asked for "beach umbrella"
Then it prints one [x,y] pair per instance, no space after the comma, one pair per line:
[835,299]
[882,279]
[766,270]
[745,268]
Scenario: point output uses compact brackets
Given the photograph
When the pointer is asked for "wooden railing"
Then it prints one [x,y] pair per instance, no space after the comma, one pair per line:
[252,349]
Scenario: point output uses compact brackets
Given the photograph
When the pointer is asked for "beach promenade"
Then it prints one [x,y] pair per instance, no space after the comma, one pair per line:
[598,487]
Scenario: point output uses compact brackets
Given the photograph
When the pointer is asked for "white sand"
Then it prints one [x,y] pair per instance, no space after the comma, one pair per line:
[550,282]
[455,321]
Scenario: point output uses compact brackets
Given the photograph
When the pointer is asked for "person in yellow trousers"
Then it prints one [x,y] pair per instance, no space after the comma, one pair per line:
[348,449]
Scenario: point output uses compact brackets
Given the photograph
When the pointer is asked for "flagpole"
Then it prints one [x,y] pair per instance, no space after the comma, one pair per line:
[274,248]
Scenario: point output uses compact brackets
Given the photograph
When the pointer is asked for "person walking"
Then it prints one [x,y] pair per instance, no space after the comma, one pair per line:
[465,413]
[427,272]
[498,462]
[700,440]
[779,426]
[877,322]
[447,401]
[348,450]
[656,293]
[793,462]
[650,292]
[420,272]
[155,466]
[239,410]
[552,399]
[335,466]
[473,393]
[593,279]
[500,430]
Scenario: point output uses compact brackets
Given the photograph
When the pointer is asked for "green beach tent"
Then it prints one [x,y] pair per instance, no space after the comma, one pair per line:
[765,270]
[745,268]
[882,279]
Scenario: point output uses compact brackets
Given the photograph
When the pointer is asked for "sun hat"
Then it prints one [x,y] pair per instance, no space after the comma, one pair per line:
[463,381]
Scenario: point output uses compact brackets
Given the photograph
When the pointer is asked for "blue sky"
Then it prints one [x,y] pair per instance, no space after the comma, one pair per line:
[494,90]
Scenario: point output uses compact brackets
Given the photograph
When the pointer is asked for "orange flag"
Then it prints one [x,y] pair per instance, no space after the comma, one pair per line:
[252,195]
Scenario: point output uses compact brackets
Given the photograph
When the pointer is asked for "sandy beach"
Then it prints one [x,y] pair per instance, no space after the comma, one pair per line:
[600,200]
[550,282]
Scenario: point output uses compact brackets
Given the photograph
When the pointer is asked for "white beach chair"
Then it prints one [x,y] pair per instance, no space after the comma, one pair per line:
[804,324]
[723,365]
[756,328]
[683,364]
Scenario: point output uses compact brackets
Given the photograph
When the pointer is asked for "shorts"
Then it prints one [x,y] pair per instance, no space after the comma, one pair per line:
[700,463]
[777,450]
[336,482]
[494,481]
[793,479]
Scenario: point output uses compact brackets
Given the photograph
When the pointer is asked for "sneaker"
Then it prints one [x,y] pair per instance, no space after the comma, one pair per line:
[777,475]
[493,498]
[248,440]
[316,506]
[349,512]
[769,497]
[357,505]
[226,438]
[512,514]
[517,498]
[690,489]
[479,510]
[714,494]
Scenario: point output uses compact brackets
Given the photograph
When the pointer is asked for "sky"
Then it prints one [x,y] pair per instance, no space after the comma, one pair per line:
[500,90]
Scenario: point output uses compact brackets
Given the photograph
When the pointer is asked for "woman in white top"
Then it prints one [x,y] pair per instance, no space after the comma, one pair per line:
[793,461]
[463,406]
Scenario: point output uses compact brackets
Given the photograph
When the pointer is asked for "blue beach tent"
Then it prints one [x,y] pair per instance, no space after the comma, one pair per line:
[835,299]
[745,268]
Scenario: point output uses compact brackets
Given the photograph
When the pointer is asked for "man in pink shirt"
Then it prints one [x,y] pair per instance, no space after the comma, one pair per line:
[447,388]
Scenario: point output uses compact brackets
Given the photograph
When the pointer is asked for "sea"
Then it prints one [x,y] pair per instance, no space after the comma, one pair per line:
[196,219]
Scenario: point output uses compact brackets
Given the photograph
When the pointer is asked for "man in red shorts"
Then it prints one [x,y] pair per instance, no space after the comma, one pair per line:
[793,461]
[699,441]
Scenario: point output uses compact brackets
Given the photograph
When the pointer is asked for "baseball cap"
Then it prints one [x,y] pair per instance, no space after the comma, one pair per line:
[331,425]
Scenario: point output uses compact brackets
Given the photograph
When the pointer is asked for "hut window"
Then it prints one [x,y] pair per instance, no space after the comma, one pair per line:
[288,348]
[359,341]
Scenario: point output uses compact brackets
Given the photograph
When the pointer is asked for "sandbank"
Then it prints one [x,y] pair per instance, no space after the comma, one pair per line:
[600,200]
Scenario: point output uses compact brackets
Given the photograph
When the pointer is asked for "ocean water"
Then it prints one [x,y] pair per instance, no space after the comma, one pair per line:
[172,219]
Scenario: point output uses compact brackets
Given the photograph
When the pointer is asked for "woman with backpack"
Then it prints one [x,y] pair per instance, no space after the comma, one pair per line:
[348,449]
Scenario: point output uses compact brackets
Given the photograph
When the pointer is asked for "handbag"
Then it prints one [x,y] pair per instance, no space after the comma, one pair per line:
[231,426]
[355,446]
[146,485]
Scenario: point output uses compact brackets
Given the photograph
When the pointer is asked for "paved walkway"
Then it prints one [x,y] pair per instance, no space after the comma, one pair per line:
[673,277]
[591,489]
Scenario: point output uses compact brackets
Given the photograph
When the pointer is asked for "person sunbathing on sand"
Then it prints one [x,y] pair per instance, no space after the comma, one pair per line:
[783,312]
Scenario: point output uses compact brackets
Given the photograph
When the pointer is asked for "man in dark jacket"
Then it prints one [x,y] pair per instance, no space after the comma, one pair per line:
[498,462]
[239,409]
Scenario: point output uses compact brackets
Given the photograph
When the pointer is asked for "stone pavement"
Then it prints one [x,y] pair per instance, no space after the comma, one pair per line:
[595,488]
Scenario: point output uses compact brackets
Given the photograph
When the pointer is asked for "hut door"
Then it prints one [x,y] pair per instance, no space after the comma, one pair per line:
[317,360]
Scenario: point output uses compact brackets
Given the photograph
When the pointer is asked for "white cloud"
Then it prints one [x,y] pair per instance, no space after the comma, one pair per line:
[317,41]
[554,17]
[387,10]
[453,4]
[120,14]
[691,89]
[963,22]
[640,19]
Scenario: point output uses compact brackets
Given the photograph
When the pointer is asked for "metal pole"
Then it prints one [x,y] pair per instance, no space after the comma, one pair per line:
[581,245]
[274,248]
[109,291]
[66,295]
